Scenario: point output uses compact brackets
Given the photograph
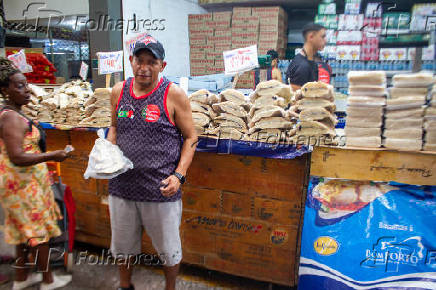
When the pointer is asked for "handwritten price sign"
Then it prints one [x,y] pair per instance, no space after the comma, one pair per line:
[110,62]
[19,60]
[240,60]
[83,71]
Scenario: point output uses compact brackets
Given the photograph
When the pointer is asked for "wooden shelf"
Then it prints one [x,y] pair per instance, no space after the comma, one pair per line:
[285,3]
[376,164]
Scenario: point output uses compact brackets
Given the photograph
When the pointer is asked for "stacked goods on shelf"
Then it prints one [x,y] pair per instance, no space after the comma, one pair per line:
[430,123]
[367,98]
[232,115]
[349,36]
[269,121]
[245,27]
[404,111]
[222,40]
[202,113]
[421,15]
[98,109]
[272,29]
[32,108]
[62,106]
[326,11]
[315,105]
[199,32]
[213,33]
[371,30]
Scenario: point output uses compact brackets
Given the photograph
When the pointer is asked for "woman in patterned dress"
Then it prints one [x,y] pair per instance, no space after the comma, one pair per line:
[31,213]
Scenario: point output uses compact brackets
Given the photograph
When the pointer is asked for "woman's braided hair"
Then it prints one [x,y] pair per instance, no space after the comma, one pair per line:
[7,69]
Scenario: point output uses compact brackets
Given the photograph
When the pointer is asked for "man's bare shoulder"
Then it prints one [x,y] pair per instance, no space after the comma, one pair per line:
[176,94]
[116,89]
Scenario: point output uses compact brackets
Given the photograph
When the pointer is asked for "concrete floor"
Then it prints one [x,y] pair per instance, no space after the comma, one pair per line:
[148,278]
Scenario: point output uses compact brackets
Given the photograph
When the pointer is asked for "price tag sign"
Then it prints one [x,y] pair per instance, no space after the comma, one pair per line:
[110,62]
[240,60]
[19,60]
[83,71]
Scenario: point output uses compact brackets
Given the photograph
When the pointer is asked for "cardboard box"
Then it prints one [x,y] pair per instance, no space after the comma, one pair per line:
[241,11]
[244,35]
[277,26]
[201,32]
[245,20]
[223,46]
[276,10]
[348,52]
[203,62]
[242,43]
[218,24]
[272,36]
[199,18]
[197,70]
[223,32]
[214,55]
[197,40]
[244,27]
[217,16]
[197,55]
[202,48]
[218,39]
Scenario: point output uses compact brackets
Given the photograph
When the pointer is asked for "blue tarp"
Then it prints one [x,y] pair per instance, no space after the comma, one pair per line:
[368,235]
[228,146]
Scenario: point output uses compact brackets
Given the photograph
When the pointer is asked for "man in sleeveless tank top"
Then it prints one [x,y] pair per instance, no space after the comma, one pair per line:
[152,124]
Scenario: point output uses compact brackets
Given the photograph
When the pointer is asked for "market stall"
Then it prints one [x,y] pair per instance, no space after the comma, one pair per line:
[242,214]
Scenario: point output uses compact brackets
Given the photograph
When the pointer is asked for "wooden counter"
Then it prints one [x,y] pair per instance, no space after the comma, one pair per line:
[377,165]
[241,215]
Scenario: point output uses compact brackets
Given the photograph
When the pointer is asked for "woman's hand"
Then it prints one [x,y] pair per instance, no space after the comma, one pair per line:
[59,155]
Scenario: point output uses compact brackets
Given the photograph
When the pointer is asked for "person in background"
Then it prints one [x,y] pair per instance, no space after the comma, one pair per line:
[303,67]
[31,212]
[160,139]
[274,73]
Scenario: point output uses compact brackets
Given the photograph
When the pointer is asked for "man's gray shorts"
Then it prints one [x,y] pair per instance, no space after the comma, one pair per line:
[161,221]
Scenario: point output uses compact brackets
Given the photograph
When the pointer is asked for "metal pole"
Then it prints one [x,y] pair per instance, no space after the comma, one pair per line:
[417,62]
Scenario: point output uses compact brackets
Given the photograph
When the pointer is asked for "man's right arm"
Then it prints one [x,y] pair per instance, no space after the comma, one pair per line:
[115,95]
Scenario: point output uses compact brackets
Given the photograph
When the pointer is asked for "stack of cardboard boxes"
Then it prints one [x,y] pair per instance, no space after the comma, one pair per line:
[213,33]
[272,29]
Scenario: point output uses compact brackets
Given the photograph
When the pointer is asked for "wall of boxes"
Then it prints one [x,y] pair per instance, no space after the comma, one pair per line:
[213,33]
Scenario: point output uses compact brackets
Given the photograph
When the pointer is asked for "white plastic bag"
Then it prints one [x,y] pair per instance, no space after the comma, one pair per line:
[106,160]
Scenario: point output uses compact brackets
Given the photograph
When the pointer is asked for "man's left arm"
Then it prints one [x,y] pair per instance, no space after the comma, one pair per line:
[183,120]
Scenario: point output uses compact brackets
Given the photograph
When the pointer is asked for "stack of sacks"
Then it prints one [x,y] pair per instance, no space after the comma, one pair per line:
[202,113]
[430,123]
[404,111]
[75,112]
[77,93]
[315,106]
[60,113]
[98,109]
[32,108]
[268,120]
[47,108]
[232,115]
[366,100]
